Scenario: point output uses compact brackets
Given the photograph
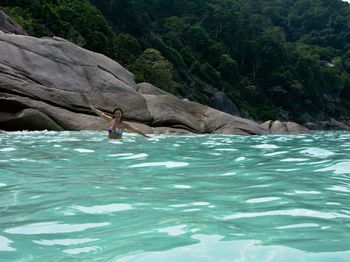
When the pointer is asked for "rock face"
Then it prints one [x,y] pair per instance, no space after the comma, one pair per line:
[8,26]
[332,124]
[278,127]
[48,83]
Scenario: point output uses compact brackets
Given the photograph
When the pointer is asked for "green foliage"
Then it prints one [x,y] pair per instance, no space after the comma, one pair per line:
[152,67]
[254,50]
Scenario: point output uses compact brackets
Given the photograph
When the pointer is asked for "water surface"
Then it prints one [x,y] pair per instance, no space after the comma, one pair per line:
[77,196]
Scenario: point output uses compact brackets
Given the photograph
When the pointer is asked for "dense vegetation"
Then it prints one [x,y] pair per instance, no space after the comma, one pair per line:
[273,58]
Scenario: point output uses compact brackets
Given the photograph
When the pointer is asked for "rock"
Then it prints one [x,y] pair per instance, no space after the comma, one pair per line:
[65,75]
[338,125]
[48,83]
[278,127]
[295,129]
[332,124]
[29,119]
[197,118]
[149,89]
[220,101]
[7,25]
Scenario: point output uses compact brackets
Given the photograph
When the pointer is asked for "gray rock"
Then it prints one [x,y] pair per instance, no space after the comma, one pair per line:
[7,25]
[28,119]
[220,101]
[53,81]
[278,127]
[331,124]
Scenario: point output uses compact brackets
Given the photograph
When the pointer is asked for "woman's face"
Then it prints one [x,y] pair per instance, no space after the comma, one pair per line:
[117,115]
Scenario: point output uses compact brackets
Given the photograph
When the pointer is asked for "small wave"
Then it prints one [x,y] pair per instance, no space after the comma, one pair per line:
[2,185]
[339,189]
[83,150]
[226,149]
[105,209]
[52,228]
[137,156]
[64,242]
[276,153]
[166,164]
[174,231]
[262,200]
[317,152]
[305,225]
[200,204]
[292,212]
[5,244]
[7,149]
[76,251]
[228,174]
[266,146]
[123,154]
[340,168]
[182,186]
[294,160]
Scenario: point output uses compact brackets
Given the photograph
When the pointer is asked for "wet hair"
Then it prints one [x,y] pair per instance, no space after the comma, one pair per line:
[118,109]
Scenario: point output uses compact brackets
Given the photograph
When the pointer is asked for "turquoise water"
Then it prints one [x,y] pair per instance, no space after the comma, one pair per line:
[77,196]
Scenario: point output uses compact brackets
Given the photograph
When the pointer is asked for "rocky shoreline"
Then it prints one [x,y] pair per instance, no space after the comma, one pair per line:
[48,83]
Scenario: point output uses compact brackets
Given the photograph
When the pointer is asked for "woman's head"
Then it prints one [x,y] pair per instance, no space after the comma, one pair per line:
[118,114]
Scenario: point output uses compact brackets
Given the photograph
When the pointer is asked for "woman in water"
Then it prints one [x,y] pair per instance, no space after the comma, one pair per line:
[116,125]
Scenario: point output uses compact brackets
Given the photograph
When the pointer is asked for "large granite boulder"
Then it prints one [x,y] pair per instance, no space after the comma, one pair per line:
[48,83]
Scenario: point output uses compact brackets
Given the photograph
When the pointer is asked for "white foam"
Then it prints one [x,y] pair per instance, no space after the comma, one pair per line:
[174,231]
[5,244]
[64,242]
[276,153]
[226,149]
[83,150]
[304,225]
[294,160]
[52,228]
[166,164]
[262,200]
[2,185]
[123,154]
[301,192]
[265,146]
[333,203]
[340,168]
[104,209]
[339,189]
[179,205]
[182,186]
[191,210]
[317,152]
[228,174]
[240,158]
[287,169]
[76,251]
[7,149]
[137,156]
[292,212]
[201,204]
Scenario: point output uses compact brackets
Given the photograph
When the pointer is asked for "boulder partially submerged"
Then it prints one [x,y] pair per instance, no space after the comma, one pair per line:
[48,83]
[278,127]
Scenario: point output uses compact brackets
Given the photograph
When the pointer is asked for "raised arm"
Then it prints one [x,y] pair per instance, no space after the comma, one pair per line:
[101,114]
[135,130]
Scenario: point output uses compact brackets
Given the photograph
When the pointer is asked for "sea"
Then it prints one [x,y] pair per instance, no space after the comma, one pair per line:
[78,196]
